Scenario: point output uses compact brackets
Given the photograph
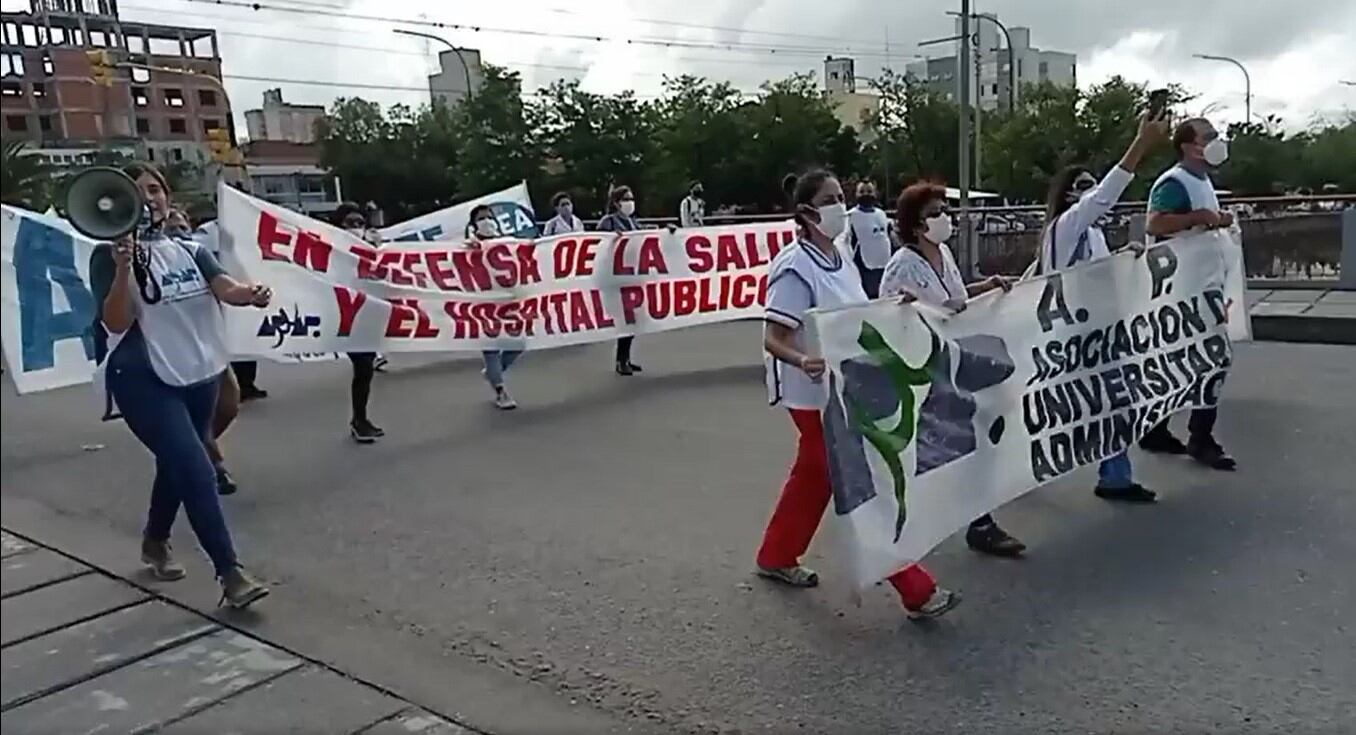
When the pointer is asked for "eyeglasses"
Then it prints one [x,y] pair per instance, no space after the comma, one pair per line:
[354,222]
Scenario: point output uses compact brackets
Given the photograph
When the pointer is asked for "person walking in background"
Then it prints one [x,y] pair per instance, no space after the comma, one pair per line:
[867,239]
[159,301]
[925,270]
[352,218]
[692,211]
[1074,206]
[484,226]
[564,222]
[1181,200]
[621,218]
[812,274]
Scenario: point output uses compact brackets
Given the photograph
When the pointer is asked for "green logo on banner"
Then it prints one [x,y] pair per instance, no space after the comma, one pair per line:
[892,441]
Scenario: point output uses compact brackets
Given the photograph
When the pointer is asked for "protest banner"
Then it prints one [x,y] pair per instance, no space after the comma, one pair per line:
[333,292]
[512,207]
[935,419]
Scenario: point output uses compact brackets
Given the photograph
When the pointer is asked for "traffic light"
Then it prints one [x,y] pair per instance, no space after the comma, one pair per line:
[219,143]
[100,66]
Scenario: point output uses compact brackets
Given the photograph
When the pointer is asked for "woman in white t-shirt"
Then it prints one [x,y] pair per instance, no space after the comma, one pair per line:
[812,273]
[160,299]
[564,222]
[924,269]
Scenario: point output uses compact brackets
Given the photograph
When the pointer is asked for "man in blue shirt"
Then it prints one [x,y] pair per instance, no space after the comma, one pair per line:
[1182,200]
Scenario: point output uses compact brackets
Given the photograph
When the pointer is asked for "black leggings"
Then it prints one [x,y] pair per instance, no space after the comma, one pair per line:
[624,350]
[364,367]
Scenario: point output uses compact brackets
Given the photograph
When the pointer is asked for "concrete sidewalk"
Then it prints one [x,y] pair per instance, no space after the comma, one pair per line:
[84,651]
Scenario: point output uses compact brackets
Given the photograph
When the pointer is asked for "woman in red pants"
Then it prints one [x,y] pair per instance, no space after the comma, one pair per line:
[812,274]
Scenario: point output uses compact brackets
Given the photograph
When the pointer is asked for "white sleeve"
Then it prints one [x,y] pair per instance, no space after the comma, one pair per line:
[900,276]
[788,298]
[1076,220]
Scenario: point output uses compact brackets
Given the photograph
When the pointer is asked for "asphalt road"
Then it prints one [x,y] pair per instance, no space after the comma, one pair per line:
[590,554]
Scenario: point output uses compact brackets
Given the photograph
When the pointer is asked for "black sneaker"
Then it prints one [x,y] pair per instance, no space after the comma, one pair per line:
[252,393]
[365,432]
[1162,442]
[225,483]
[1135,493]
[992,540]
[627,369]
[1208,452]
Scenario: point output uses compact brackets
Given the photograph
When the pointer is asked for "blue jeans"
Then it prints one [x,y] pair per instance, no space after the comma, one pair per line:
[173,422]
[1114,472]
[497,363]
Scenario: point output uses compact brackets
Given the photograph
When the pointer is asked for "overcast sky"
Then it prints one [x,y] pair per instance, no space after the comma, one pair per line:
[1296,51]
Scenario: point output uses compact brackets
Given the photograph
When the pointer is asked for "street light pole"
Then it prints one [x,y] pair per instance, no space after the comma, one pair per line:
[466,68]
[1012,55]
[963,135]
[1247,81]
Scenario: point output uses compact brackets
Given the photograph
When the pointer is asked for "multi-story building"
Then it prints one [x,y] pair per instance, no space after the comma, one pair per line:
[278,120]
[290,175]
[50,98]
[989,57]
[459,71]
[853,109]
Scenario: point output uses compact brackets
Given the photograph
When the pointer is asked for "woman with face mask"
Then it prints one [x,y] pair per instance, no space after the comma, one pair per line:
[484,226]
[621,218]
[1075,205]
[352,218]
[158,300]
[564,222]
[810,274]
[925,270]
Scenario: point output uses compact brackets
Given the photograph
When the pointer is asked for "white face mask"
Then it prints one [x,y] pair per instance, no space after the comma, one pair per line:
[627,208]
[1216,152]
[938,228]
[487,228]
[833,219]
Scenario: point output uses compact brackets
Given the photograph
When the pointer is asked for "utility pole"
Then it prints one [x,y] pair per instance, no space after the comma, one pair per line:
[979,115]
[466,68]
[1247,81]
[963,138]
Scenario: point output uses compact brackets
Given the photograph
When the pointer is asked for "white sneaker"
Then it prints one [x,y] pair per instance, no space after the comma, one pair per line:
[941,602]
[504,401]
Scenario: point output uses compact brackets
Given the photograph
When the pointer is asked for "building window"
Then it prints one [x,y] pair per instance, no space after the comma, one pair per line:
[47,67]
[150,154]
[174,97]
[11,89]
[1019,67]
[207,97]
[177,153]
[1044,70]
[143,126]
[39,90]
[140,98]
[177,125]
[12,65]
[141,76]
[17,123]
[208,125]
[45,123]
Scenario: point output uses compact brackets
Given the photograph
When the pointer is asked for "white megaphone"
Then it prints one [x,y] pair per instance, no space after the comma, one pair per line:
[103,203]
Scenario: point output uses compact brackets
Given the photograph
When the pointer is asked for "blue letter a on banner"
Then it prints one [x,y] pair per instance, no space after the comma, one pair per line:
[44,256]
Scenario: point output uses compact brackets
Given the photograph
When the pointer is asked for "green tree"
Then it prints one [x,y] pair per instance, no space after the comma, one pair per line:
[25,178]
[917,133]
[495,146]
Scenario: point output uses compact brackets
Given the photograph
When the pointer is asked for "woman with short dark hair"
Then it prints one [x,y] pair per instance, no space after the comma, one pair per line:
[564,222]
[484,226]
[621,218]
[924,269]
[349,216]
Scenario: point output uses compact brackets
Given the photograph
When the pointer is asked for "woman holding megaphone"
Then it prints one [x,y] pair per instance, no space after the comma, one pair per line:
[160,300]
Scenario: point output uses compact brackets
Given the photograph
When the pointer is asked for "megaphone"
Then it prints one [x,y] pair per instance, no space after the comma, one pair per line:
[103,203]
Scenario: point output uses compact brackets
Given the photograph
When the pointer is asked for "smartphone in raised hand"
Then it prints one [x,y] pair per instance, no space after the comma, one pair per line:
[1158,103]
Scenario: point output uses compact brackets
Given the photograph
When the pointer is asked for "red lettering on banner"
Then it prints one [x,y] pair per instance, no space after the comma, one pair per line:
[528,270]
[484,313]
[699,258]
[728,256]
[744,291]
[599,312]
[367,259]
[528,310]
[631,298]
[471,270]
[412,264]
[349,302]
[708,302]
[269,236]
[463,326]
[398,324]
[503,263]
[684,297]
[562,256]
[762,290]
[659,299]
[619,267]
[388,258]
[586,256]
[558,311]
[651,257]
[311,252]
[442,276]
[580,317]
[756,258]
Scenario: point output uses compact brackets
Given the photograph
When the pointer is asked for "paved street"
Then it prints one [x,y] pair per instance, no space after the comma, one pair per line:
[582,564]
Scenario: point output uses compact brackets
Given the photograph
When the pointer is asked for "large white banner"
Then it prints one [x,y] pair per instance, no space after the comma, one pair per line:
[512,207]
[335,292]
[935,419]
